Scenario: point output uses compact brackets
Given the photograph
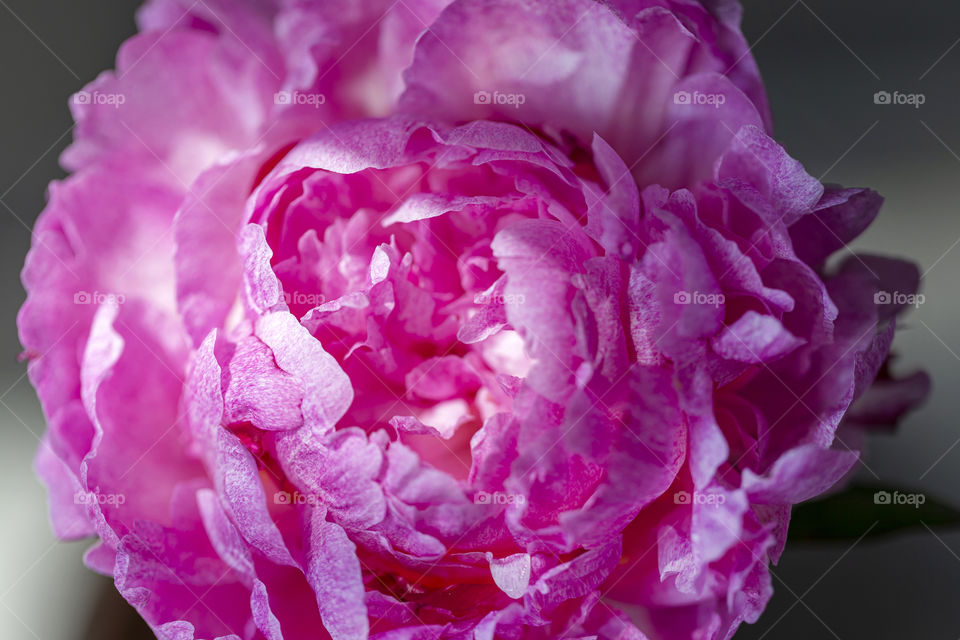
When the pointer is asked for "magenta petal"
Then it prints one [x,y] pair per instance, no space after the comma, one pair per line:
[243,493]
[839,217]
[761,174]
[69,517]
[208,264]
[755,338]
[259,392]
[792,478]
[334,573]
[537,256]
[327,390]
[512,574]
[166,116]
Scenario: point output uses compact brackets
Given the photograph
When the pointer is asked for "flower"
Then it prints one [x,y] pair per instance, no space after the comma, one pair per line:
[505,346]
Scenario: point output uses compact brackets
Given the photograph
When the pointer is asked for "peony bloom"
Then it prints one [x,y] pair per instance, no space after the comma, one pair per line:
[534,334]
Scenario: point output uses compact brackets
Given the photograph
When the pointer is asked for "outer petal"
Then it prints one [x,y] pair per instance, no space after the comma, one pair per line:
[581,67]
[168,96]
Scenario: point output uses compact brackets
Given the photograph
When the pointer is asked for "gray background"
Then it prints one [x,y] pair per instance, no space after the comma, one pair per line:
[822,61]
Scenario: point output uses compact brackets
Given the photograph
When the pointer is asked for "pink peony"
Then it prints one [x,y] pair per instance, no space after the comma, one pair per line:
[535,334]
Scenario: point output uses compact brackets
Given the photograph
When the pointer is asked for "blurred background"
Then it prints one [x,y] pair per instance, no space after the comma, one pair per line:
[823,62]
